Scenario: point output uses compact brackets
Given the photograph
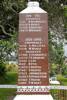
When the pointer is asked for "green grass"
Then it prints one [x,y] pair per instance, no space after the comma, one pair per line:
[10,78]
[7,94]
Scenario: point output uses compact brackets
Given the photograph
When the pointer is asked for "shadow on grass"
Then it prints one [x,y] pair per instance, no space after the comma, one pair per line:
[10,78]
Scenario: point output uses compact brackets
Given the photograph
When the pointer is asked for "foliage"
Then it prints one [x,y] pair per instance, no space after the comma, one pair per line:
[65,21]
[6,49]
[64,69]
[11,78]
[53,70]
[57,19]
[12,67]
[10,9]
[62,79]
[56,55]
[2,70]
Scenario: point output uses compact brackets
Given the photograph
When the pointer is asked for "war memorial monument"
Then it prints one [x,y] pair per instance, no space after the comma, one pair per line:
[33,71]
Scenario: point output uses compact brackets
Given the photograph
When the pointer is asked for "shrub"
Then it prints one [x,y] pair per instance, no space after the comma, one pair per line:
[11,67]
[62,79]
[2,69]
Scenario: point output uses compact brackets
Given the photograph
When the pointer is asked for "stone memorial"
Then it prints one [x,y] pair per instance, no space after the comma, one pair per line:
[33,71]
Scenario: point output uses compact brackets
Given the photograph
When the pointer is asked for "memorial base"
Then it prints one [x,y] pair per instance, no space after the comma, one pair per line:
[33,97]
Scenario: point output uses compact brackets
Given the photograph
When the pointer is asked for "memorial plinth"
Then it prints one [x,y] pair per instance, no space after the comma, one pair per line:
[33,76]
[33,97]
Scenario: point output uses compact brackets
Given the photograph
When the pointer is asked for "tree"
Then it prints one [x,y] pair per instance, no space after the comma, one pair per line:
[56,54]
[57,18]
[65,20]
[6,48]
[9,11]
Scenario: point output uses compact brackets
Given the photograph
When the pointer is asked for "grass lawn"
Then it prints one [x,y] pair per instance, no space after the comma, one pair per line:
[7,94]
[11,78]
